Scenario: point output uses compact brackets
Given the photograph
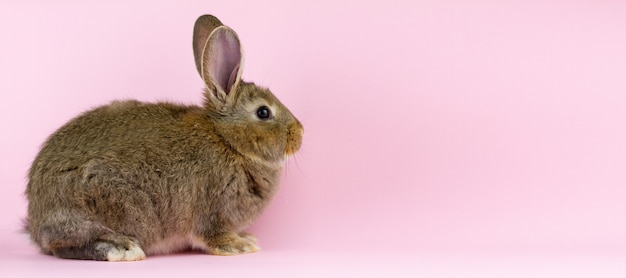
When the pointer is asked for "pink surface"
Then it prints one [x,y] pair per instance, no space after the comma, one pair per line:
[443,138]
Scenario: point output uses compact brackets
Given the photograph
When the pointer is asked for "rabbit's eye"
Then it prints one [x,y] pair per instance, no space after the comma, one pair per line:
[264,113]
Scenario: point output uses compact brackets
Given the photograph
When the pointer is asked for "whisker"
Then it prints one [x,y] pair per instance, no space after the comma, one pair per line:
[295,158]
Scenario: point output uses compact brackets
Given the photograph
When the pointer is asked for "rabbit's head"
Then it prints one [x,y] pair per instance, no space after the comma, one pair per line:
[249,118]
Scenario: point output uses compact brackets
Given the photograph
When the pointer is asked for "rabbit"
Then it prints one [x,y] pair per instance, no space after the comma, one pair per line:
[131,179]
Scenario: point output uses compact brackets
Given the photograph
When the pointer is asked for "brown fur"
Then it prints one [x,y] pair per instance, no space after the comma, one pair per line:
[141,173]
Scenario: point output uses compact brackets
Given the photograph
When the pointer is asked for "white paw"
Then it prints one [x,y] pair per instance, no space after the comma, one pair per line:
[133,253]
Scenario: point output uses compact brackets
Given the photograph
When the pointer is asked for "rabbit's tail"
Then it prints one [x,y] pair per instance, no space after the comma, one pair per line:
[25,225]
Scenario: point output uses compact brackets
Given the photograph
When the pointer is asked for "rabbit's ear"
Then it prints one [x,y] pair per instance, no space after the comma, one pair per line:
[221,61]
[202,29]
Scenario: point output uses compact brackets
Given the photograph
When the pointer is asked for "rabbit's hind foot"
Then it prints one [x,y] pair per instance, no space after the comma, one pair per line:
[114,248]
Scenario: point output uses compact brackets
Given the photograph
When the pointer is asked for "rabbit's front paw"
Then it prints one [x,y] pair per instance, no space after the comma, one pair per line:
[233,244]
[248,236]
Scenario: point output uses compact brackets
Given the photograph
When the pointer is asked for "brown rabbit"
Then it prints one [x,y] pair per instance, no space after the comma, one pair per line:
[131,178]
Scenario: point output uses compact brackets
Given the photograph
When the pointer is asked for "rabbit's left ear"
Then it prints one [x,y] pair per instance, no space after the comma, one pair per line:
[202,29]
[220,58]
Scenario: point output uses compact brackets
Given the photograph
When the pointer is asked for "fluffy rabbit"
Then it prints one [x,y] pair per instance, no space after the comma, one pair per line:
[131,178]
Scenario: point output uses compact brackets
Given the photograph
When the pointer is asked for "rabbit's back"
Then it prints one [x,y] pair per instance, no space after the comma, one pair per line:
[119,126]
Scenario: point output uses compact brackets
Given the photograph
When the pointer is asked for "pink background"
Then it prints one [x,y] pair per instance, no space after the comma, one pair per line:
[443,138]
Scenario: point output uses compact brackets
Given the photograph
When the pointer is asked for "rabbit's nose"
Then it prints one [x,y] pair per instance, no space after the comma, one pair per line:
[300,127]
